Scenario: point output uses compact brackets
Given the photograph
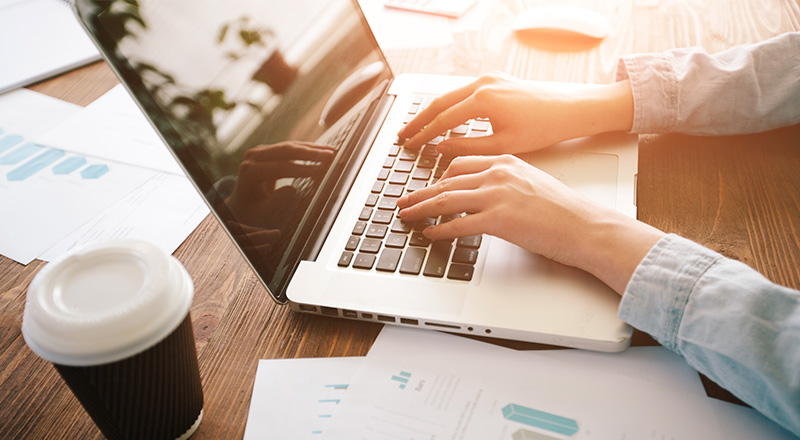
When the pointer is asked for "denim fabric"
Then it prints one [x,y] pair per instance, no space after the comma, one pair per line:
[746,89]
[726,319]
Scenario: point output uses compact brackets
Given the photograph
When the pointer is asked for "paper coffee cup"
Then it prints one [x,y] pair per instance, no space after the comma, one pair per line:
[114,320]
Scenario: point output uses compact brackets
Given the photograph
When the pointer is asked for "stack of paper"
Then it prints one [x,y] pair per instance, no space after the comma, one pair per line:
[72,176]
[418,384]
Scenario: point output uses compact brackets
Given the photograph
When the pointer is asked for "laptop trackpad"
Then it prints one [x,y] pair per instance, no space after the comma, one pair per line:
[592,174]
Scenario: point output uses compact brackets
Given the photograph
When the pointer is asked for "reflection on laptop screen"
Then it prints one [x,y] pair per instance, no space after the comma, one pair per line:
[249,96]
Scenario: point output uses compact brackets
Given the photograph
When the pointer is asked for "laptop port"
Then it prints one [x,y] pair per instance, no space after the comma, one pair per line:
[330,311]
[307,308]
[409,321]
[349,314]
[385,318]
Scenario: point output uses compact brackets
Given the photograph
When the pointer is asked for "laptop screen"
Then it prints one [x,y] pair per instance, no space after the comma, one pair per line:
[262,101]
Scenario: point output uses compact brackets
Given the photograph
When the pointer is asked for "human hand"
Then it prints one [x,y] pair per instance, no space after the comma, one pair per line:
[510,199]
[255,196]
[525,115]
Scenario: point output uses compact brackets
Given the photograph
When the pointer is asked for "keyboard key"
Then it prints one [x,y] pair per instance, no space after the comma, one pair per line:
[388,260]
[437,261]
[364,261]
[417,239]
[383,217]
[420,225]
[376,231]
[393,190]
[461,272]
[393,150]
[426,162]
[345,259]
[388,203]
[461,130]
[370,246]
[366,213]
[372,200]
[404,166]
[377,187]
[359,228]
[396,240]
[465,255]
[398,178]
[429,151]
[471,241]
[401,227]
[383,174]
[421,174]
[352,243]
[388,162]
[415,185]
[481,126]
[412,262]
[408,155]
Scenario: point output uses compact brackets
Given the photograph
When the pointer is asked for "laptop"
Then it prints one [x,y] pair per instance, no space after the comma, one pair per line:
[284,115]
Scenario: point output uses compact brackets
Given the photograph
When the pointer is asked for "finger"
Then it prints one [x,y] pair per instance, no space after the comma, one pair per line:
[436,106]
[453,183]
[445,120]
[472,224]
[445,203]
[290,151]
[484,145]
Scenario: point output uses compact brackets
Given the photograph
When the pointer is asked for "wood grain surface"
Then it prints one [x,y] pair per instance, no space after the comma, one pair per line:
[739,195]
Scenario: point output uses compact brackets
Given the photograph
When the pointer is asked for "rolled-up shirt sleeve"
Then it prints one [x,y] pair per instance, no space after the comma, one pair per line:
[726,319]
[746,89]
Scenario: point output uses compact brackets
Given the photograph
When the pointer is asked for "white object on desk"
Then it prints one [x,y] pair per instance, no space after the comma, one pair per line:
[571,19]
[420,384]
[446,8]
[113,128]
[40,39]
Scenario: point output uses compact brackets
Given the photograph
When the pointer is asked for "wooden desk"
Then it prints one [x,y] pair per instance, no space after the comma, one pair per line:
[738,195]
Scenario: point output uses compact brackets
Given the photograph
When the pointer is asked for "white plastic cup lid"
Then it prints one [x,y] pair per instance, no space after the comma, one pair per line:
[105,302]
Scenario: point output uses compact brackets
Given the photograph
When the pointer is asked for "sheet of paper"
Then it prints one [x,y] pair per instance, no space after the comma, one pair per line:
[113,128]
[163,211]
[295,399]
[416,384]
[46,193]
[41,38]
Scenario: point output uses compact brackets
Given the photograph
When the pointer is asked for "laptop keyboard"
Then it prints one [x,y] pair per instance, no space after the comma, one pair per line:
[381,241]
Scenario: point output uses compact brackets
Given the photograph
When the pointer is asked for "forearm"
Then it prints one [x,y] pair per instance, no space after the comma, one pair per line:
[727,320]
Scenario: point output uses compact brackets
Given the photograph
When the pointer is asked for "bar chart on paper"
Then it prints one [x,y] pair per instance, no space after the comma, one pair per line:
[49,192]
[543,422]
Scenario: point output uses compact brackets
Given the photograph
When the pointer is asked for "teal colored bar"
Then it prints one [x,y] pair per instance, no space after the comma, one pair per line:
[19,154]
[34,165]
[329,401]
[69,165]
[405,374]
[94,171]
[316,432]
[325,416]
[540,419]
[400,379]
[342,386]
[9,141]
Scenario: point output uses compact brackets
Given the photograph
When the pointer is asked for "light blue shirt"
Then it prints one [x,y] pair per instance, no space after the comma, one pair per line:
[727,320]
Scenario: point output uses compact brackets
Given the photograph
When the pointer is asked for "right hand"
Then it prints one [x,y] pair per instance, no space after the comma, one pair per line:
[525,115]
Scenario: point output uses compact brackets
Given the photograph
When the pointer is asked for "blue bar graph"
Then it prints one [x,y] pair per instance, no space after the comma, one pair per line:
[9,141]
[20,153]
[34,165]
[69,165]
[94,171]
[402,378]
[540,419]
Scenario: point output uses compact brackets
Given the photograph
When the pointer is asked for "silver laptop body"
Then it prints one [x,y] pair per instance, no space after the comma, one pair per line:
[285,114]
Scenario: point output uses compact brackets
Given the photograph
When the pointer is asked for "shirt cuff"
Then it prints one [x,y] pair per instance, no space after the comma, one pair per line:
[657,294]
[655,88]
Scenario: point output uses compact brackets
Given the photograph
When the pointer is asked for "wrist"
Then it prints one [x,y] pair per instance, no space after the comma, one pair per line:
[610,107]
[614,247]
